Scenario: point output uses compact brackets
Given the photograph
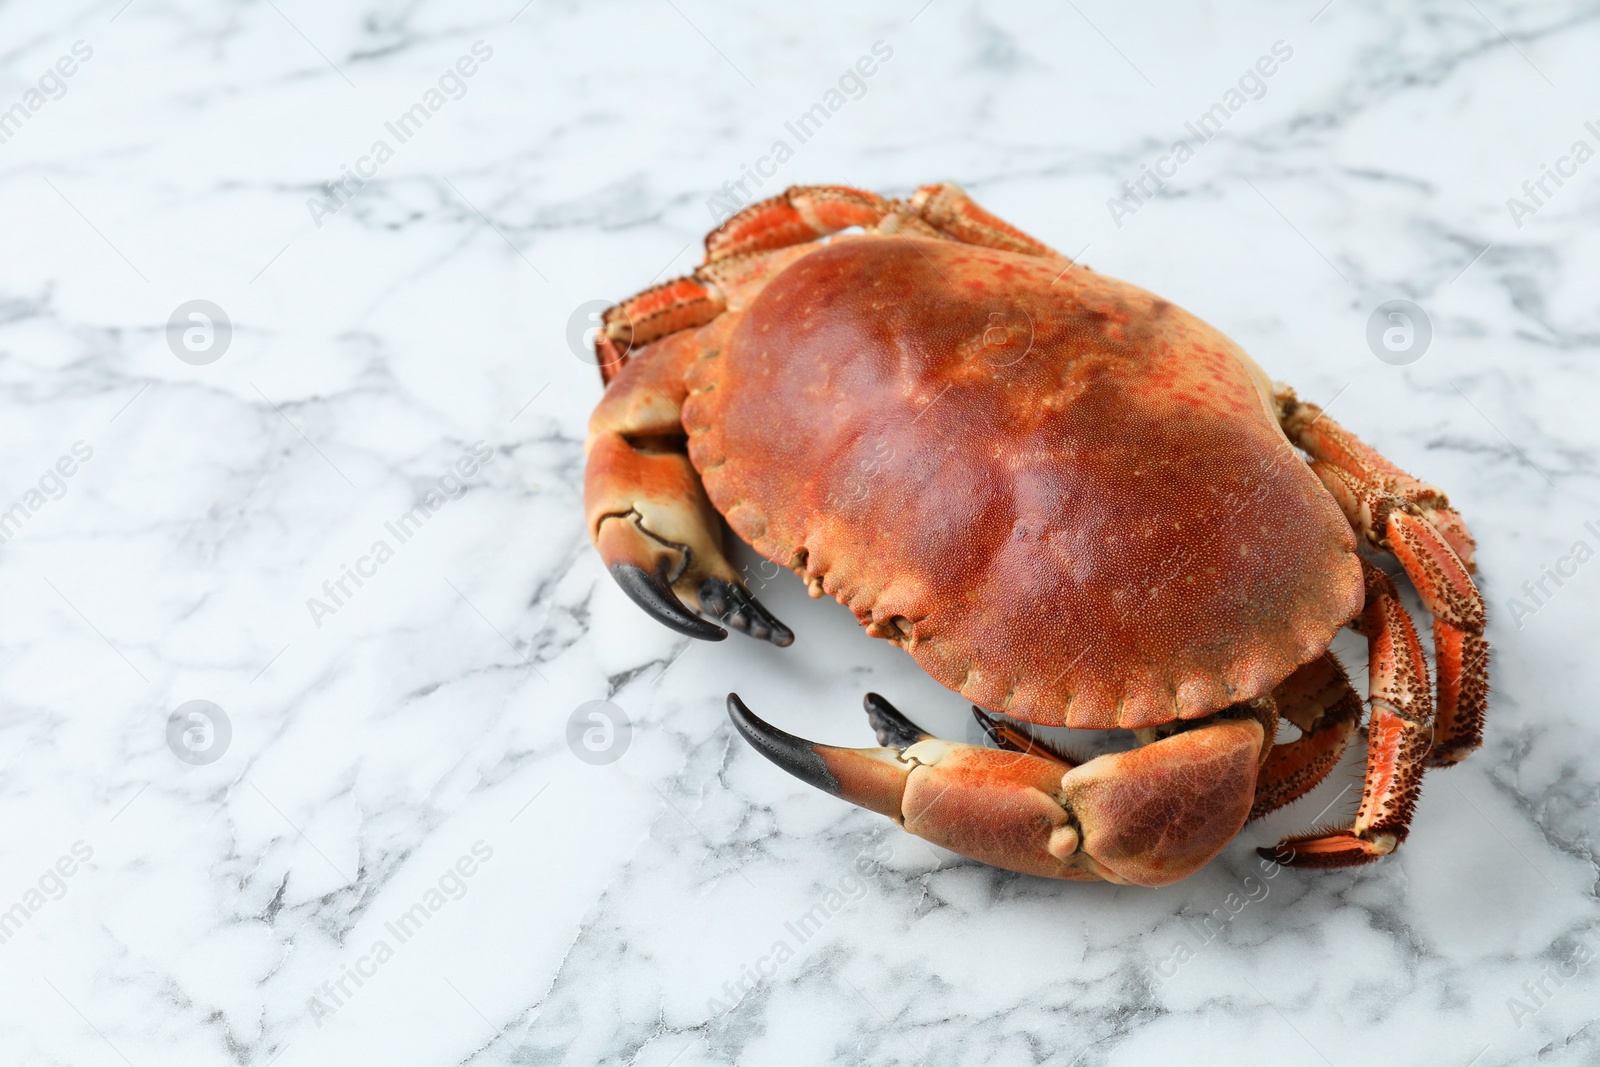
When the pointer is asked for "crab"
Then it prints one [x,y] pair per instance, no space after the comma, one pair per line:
[1069,500]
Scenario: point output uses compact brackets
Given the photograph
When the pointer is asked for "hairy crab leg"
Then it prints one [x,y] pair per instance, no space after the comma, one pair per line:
[948,209]
[1414,521]
[1399,737]
[1323,439]
[1461,653]
[804,213]
[1319,699]
[662,310]
[1147,817]
[647,512]
[800,215]
[1004,734]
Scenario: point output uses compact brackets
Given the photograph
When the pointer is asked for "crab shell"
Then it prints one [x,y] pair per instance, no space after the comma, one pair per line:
[1067,498]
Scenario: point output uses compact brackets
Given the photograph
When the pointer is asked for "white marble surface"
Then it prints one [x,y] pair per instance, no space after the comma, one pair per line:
[427,715]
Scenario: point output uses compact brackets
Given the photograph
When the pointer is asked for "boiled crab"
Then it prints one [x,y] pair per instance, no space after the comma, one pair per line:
[1071,501]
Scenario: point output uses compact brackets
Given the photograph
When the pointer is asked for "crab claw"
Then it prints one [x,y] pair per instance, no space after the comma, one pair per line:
[1146,817]
[893,729]
[740,610]
[648,583]
[651,522]
[647,569]
[652,592]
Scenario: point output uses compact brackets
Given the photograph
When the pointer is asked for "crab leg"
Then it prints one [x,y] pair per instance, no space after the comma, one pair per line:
[948,209]
[1319,700]
[806,212]
[1399,737]
[680,304]
[647,512]
[1146,817]
[1005,735]
[1309,427]
[801,213]
[1415,522]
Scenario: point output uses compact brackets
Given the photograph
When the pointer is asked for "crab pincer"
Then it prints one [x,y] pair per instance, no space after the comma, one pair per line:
[1149,816]
[649,516]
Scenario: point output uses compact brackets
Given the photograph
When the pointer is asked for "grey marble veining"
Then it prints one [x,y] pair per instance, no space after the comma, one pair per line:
[396,855]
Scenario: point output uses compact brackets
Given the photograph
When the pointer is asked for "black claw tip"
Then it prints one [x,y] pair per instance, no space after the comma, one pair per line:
[1276,855]
[795,755]
[649,589]
[894,730]
[738,610]
[991,728]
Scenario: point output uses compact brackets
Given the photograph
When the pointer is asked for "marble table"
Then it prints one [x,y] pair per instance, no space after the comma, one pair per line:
[300,613]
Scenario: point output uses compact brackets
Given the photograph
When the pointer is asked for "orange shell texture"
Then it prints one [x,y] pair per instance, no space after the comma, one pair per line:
[1065,497]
